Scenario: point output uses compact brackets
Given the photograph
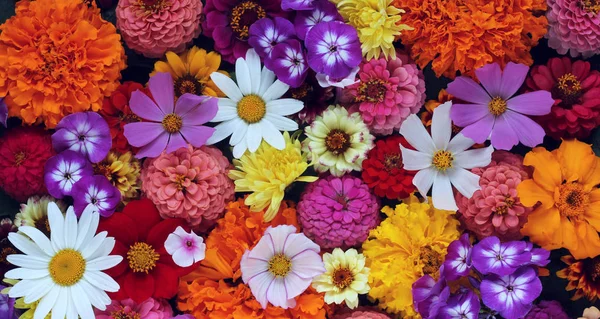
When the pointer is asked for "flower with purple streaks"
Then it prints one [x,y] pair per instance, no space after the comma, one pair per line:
[458,259]
[512,295]
[86,133]
[333,49]
[97,191]
[266,33]
[288,62]
[324,11]
[464,305]
[492,256]
[62,171]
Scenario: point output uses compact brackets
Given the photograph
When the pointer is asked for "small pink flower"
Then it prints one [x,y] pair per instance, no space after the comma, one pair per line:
[327,81]
[148,309]
[186,248]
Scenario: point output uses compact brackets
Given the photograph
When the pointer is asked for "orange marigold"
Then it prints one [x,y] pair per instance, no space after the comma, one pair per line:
[57,57]
[463,35]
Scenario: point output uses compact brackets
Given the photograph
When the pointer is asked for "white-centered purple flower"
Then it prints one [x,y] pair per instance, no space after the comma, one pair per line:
[333,49]
[266,33]
[430,296]
[323,11]
[464,305]
[3,112]
[86,133]
[512,295]
[62,171]
[97,191]
[297,5]
[539,256]
[288,62]
[327,81]
[492,256]
[185,248]
[458,259]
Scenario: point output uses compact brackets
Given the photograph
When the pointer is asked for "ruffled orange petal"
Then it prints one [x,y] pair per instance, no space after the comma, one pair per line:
[589,242]
[578,163]
[541,224]
[546,168]
[530,193]
[592,213]
[564,236]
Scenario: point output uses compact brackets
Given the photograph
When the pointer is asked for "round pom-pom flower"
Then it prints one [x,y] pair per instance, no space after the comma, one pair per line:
[338,212]
[547,310]
[45,76]
[574,27]
[86,133]
[128,309]
[362,314]
[62,171]
[190,183]
[153,27]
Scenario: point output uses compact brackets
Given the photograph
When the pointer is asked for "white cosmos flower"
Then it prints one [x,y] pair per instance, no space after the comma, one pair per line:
[253,109]
[64,273]
[442,162]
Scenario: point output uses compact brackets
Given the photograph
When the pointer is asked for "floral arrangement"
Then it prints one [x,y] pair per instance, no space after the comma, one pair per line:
[299,159]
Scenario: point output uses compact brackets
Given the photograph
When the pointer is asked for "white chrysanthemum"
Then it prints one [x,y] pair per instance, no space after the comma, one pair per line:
[253,109]
[64,273]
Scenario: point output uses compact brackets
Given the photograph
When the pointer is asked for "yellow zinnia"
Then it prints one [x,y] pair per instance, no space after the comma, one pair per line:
[123,171]
[410,243]
[191,71]
[268,172]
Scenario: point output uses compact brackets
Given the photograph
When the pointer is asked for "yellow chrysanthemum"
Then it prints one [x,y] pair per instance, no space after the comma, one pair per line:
[123,171]
[191,71]
[26,310]
[34,213]
[268,172]
[408,244]
[377,22]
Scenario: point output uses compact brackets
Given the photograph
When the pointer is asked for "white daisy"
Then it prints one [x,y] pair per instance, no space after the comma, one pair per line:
[253,108]
[64,273]
[442,162]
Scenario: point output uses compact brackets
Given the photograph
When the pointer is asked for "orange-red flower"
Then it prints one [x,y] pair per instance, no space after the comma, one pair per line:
[583,276]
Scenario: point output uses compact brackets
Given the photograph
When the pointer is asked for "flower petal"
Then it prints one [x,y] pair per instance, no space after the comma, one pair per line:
[417,136]
[464,181]
[513,77]
[424,179]
[528,131]
[441,126]
[490,76]
[474,158]
[144,107]
[197,135]
[139,134]
[442,195]
[154,148]
[227,86]
[414,160]
[161,87]
[465,89]
[275,91]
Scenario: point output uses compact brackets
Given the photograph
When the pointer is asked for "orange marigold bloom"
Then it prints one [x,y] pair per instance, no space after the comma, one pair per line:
[583,276]
[565,184]
[57,57]
[463,35]
[430,105]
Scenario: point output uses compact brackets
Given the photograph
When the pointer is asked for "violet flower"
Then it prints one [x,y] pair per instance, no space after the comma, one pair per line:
[266,33]
[297,5]
[86,133]
[512,295]
[324,11]
[288,62]
[539,256]
[463,305]
[327,81]
[62,171]
[492,256]
[333,49]
[96,190]
[3,112]
[458,259]
[7,306]
[430,296]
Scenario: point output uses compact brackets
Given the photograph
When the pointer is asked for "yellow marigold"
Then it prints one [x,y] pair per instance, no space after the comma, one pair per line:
[57,57]
[123,171]
[408,244]
[377,22]
[268,172]
[191,71]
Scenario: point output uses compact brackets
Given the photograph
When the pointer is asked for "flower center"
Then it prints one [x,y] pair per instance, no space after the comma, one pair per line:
[593,268]
[104,169]
[172,123]
[153,5]
[67,267]
[572,200]
[431,261]
[371,91]
[502,210]
[497,106]
[179,180]
[568,89]
[251,108]
[5,252]
[442,160]
[20,157]
[43,225]
[280,265]
[591,6]
[188,84]
[337,141]
[342,278]
[392,161]
[302,91]
[243,16]
[142,257]
[124,314]
[189,243]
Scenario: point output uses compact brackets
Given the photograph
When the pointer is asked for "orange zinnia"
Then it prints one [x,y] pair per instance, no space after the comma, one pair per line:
[57,57]
[565,184]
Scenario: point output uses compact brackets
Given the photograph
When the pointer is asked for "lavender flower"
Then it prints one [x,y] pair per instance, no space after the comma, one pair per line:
[97,191]
[7,306]
[333,49]
[298,5]
[458,259]
[464,305]
[3,112]
[539,256]
[492,256]
[86,133]
[265,34]
[327,81]
[324,11]
[430,296]
[62,171]
[512,295]
[288,62]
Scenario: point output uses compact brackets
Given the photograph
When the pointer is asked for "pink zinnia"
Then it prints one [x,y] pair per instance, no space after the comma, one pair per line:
[388,92]
[574,27]
[149,309]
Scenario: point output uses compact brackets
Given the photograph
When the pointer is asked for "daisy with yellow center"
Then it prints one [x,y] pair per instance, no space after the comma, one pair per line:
[123,171]
[34,213]
[26,310]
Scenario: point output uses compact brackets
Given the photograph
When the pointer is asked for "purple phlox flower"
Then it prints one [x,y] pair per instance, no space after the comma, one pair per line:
[97,191]
[429,296]
[512,295]
[3,112]
[324,11]
[539,256]
[62,171]
[326,81]
[463,305]
[288,62]
[186,316]
[171,125]
[458,259]
[7,306]
[333,49]
[298,5]
[492,256]
[86,133]
[267,33]
[493,112]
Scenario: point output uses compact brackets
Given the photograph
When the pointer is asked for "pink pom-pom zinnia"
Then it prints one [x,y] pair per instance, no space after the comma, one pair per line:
[153,27]
[574,27]
[190,183]
[362,314]
[338,211]
[495,209]
[149,309]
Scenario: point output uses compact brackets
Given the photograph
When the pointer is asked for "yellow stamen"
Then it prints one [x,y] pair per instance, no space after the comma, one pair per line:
[243,16]
[569,85]
[337,141]
[280,265]
[172,123]
[442,160]
[67,267]
[342,278]
[251,108]
[497,106]
[142,257]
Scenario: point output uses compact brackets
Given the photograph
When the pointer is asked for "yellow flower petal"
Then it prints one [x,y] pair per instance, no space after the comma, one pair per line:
[176,63]
[578,163]
[547,168]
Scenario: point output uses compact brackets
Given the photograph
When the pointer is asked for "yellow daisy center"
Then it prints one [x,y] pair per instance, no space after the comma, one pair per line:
[337,141]
[431,260]
[342,278]
[172,123]
[243,16]
[572,200]
[67,267]
[497,106]
[122,314]
[280,265]
[592,6]
[251,108]
[188,84]
[142,257]
[442,160]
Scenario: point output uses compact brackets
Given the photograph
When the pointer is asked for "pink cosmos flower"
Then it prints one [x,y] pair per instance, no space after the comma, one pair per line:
[186,248]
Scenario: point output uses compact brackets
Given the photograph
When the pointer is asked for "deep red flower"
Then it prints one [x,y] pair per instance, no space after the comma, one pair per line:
[383,172]
[147,270]
[576,92]
[23,154]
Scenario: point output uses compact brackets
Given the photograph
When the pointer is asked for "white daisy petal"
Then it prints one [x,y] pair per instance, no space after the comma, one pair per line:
[415,133]
[39,238]
[267,78]
[71,310]
[240,148]
[242,74]
[285,107]
[272,135]
[222,131]
[474,158]
[275,91]
[415,160]
[94,294]
[56,222]
[254,137]
[225,113]
[94,244]
[25,245]
[31,262]
[86,233]
[70,231]
[59,311]
[239,133]
[441,126]
[464,181]
[253,61]
[81,302]
[23,287]
[424,179]
[442,195]
[103,263]
[282,123]
[27,273]
[44,287]
[46,304]
[227,86]
[105,249]
[101,280]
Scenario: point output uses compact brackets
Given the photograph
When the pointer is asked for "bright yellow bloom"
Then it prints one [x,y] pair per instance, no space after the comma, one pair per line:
[268,172]
[35,213]
[123,171]
[408,244]
[377,22]
[191,71]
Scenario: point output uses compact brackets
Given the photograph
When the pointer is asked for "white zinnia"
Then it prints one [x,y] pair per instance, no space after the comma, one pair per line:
[64,273]
[442,162]
[253,109]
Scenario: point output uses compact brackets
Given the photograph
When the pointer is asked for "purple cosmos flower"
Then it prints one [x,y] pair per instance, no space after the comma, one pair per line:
[95,190]
[266,34]
[463,305]
[429,296]
[539,256]
[492,256]
[7,306]
[458,259]
[172,125]
[288,62]
[493,112]
[3,112]
[512,295]
[324,11]
[86,133]
[333,49]
[298,5]
[62,171]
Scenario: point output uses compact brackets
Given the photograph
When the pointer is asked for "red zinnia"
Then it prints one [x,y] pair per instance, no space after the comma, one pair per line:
[23,154]
[147,270]
[576,92]
[383,172]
